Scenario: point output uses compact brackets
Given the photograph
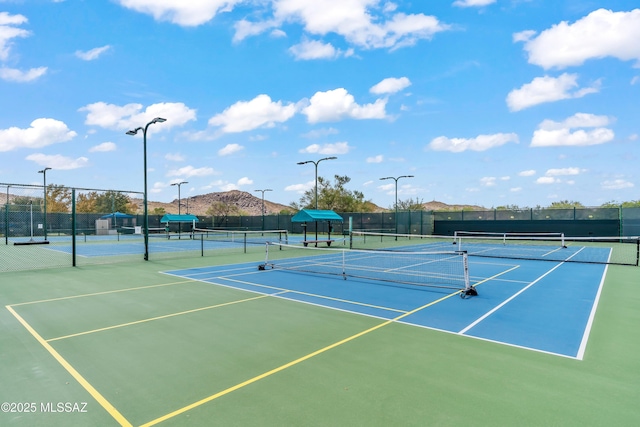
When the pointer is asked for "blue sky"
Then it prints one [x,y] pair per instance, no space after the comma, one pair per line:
[488,102]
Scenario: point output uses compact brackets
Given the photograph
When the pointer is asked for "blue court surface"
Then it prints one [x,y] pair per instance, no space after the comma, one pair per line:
[543,306]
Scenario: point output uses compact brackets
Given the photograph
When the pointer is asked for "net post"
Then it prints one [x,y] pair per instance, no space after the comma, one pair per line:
[201,244]
[465,266]
[562,240]
[73,227]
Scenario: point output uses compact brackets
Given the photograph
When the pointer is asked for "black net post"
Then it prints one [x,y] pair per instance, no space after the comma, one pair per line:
[73,227]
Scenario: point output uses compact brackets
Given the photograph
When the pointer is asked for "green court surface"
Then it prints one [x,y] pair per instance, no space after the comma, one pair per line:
[125,344]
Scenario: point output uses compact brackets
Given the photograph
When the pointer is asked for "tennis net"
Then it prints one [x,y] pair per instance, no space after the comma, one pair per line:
[592,250]
[247,237]
[441,269]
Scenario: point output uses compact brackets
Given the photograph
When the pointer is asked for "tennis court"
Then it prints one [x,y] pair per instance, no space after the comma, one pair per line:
[219,341]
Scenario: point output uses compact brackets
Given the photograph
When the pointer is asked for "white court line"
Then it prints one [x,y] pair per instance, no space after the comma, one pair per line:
[512,297]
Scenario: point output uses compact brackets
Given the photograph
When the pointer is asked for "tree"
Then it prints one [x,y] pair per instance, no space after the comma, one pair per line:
[58,198]
[222,211]
[334,197]
[107,202]
[614,204]
[159,211]
[85,203]
[410,205]
[510,208]
[566,204]
[22,203]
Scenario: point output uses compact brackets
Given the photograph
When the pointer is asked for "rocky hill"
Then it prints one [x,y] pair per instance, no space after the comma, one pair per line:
[440,206]
[198,205]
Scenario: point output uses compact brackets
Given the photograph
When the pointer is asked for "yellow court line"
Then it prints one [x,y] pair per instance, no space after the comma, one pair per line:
[75,374]
[105,292]
[156,318]
[312,295]
[290,364]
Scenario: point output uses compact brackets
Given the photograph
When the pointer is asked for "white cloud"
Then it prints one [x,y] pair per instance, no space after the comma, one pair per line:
[530,172]
[479,143]
[488,181]
[300,188]
[189,171]
[337,148]
[185,13]
[375,159]
[337,104]
[390,85]
[42,132]
[104,147]
[175,157]
[245,181]
[58,162]
[19,76]
[551,176]
[473,3]
[523,36]
[8,31]
[92,54]
[635,80]
[616,184]
[229,186]
[230,149]
[246,29]
[248,115]
[602,33]
[546,180]
[315,49]
[563,171]
[548,89]
[361,23]
[558,134]
[131,116]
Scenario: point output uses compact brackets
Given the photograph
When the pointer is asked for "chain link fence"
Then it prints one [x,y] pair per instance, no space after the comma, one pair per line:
[79,226]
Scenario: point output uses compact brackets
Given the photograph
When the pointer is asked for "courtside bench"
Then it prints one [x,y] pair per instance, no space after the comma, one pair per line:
[327,241]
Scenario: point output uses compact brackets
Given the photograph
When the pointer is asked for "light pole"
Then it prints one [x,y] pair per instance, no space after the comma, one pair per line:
[179,204]
[266,189]
[179,184]
[316,165]
[396,204]
[44,176]
[146,210]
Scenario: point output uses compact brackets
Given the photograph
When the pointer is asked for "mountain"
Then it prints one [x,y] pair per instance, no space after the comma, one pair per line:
[251,205]
[198,205]
[440,206]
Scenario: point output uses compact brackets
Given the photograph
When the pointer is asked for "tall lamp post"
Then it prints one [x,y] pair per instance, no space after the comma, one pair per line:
[266,189]
[179,204]
[146,210]
[44,176]
[396,204]
[316,165]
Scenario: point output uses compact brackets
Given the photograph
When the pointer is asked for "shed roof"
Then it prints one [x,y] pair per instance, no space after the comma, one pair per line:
[178,218]
[306,215]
